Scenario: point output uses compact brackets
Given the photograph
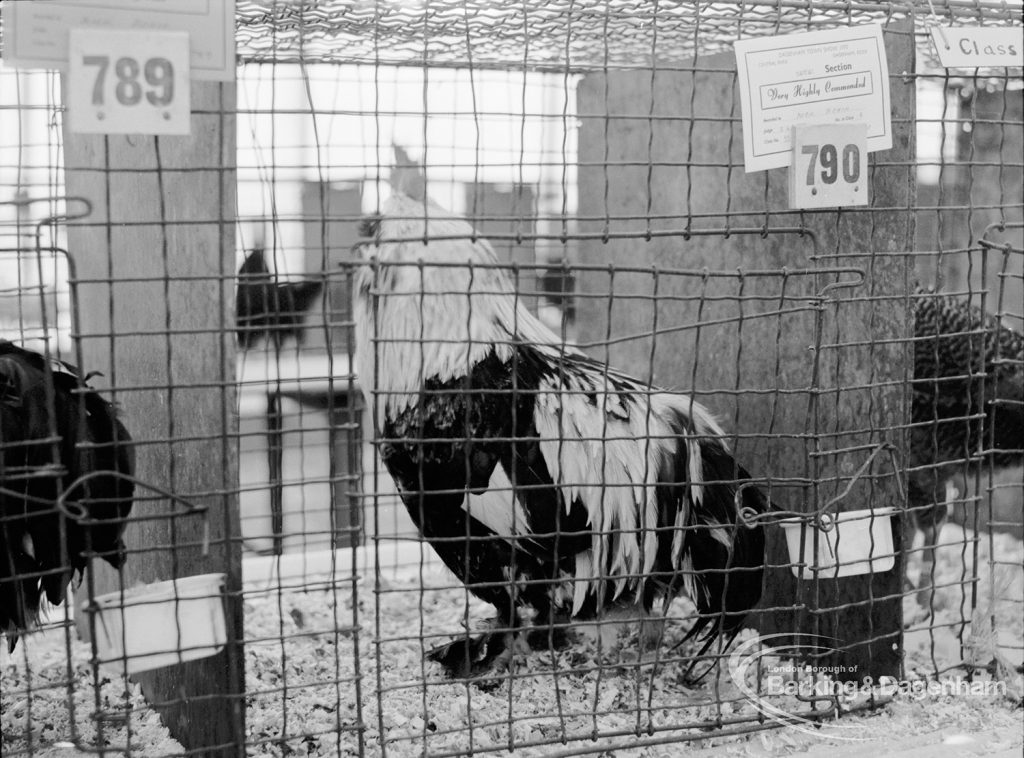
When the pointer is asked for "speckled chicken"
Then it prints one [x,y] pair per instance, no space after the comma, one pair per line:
[968,402]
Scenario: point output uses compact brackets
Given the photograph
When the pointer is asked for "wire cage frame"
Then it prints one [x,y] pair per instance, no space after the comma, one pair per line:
[595,147]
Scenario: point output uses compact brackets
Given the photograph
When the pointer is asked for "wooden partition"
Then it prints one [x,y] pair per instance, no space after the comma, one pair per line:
[804,366]
[154,289]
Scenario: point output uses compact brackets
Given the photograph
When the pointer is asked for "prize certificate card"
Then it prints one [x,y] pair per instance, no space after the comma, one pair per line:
[837,76]
[36,33]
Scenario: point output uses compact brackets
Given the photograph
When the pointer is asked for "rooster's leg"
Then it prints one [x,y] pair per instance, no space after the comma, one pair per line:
[930,522]
[484,654]
[550,629]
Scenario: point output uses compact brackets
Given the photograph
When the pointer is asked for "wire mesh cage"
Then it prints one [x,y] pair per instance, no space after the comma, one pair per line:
[454,390]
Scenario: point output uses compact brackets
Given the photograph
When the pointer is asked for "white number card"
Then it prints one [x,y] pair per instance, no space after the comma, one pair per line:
[830,166]
[128,82]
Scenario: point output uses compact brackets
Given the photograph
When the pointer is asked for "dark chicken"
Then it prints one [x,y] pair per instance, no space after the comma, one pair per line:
[267,309]
[605,493]
[968,403]
[54,430]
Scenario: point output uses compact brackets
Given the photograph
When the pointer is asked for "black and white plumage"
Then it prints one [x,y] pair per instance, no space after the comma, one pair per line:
[615,493]
[54,429]
[268,309]
[968,402]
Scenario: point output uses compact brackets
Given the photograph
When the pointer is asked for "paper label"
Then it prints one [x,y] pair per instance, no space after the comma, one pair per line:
[36,33]
[128,82]
[978,47]
[838,76]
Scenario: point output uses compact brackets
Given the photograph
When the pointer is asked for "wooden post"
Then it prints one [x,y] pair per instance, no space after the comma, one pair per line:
[840,383]
[154,266]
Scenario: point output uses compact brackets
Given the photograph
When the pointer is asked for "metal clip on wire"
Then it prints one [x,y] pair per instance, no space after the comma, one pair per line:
[78,513]
[749,517]
[823,518]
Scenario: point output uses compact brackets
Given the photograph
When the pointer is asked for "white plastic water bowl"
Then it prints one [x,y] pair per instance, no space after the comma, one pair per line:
[858,542]
[161,624]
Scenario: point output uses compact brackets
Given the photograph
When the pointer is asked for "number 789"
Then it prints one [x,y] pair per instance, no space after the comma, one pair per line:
[157,72]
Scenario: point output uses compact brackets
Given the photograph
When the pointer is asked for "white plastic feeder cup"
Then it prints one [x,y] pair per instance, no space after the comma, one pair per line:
[161,624]
[858,542]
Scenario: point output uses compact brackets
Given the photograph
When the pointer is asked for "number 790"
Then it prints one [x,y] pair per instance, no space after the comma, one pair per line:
[827,157]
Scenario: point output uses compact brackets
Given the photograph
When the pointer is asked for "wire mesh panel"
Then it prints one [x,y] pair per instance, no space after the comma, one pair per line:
[481,401]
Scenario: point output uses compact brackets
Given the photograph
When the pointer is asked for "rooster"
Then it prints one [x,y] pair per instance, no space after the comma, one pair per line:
[968,404]
[266,309]
[617,493]
[54,430]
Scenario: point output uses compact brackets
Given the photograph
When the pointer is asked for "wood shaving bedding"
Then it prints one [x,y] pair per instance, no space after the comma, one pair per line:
[303,662]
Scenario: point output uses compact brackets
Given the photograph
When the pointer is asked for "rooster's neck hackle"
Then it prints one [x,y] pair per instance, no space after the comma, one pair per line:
[434,302]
